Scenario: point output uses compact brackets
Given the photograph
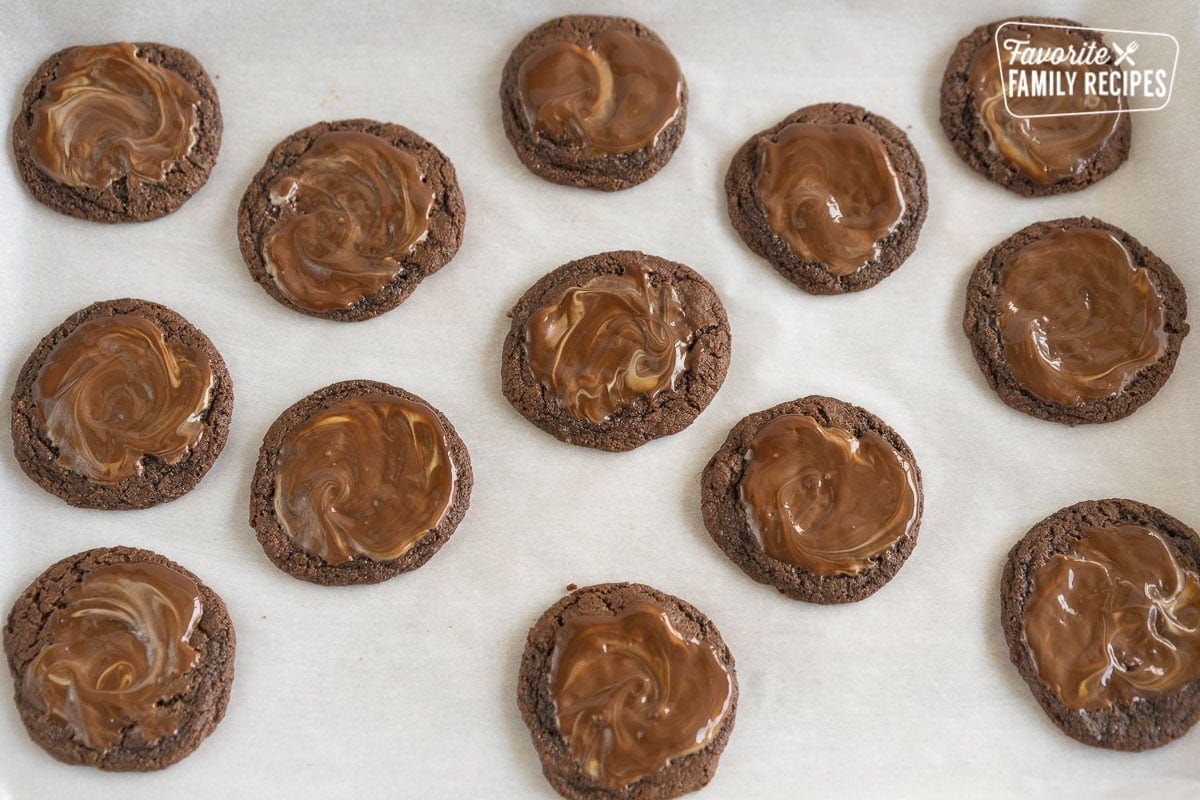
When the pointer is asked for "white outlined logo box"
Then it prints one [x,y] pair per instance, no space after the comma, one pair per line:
[1116,55]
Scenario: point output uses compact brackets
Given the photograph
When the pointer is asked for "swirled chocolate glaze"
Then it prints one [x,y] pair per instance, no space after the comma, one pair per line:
[631,694]
[1045,149]
[830,192]
[111,114]
[116,648]
[366,477]
[823,499]
[352,207]
[1077,317]
[1114,620]
[114,391]
[600,347]
[615,95]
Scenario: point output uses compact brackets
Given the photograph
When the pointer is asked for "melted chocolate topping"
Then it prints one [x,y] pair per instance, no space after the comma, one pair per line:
[1045,149]
[111,114]
[601,347]
[830,192]
[615,95]
[1114,620]
[1077,317]
[823,499]
[114,391]
[631,694]
[351,208]
[366,477]
[118,647]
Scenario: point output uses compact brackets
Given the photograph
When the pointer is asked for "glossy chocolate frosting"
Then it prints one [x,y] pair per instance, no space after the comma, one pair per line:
[823,499]
[117,649]
[114,391]
[351,208]
[367,477]
[615,95]
[600,347]
[1114,620]
[1044,149]
[830,192]
[631,694]
[111,114]
[1078,317]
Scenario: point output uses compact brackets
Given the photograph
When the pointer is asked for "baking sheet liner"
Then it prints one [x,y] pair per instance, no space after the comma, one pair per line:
[408,688]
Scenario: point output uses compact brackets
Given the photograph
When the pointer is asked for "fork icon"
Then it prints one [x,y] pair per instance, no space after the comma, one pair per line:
[1125,55]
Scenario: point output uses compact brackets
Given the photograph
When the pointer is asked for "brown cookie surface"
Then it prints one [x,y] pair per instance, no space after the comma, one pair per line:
[122,200]
[960,118]
[157,480]
[193,711]
[1137,724]
[344,480]
[594,367]
[258,216]
[983,327]
[567,162]
[750,219]
[727,515]
[605,604]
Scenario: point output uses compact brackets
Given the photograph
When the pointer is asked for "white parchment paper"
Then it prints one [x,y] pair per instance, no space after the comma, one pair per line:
[407,689]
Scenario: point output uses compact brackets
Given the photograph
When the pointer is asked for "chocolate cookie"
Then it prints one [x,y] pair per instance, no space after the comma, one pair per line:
[117,132]
[1032,156]
[629,694]
[122,659]
[590,101]
[123,405]
[357,483]
[346,218]
[782,183]
[816,497]
[1099,604]
[615,349]
[1074,320]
